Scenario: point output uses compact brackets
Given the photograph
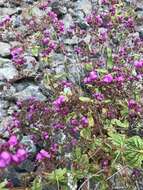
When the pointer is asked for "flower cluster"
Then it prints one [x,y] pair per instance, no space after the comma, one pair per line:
[17,55]
[12,152]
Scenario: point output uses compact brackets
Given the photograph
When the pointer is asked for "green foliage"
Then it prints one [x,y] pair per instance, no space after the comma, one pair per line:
[86,133]
[37,184]
[58,176]
[85,99]
[109,58]
[134,151]
[117,122]
[3,185]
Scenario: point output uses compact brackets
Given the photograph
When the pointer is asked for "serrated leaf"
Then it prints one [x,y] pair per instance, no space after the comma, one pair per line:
[117,122]
[134,152]
[117,139]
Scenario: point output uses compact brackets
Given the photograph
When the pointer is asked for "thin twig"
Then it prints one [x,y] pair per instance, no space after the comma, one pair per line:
[89,179]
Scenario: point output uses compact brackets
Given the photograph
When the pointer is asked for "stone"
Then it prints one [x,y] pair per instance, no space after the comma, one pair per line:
[72,41]
[3,126]
[8,36]
[7,11]
[4,49]
[3,106]
[59,9]
[68,21]
[30,147]
[31,65]
[8,72]
[30,91]
[84,5]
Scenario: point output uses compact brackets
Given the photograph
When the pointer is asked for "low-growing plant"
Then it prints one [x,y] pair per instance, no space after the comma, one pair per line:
[84,131]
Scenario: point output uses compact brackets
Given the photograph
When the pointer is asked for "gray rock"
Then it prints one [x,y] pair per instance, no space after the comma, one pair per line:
[8,72]
[31,65]
[3,126]
[21,86]
[30,91]
[4,61]
[84,5]
[4,49]
[7,92]
[29,144]
[58,8]
[7,11]
[16,21]
[72,41]
[68,21]
[8,36]
[3,106]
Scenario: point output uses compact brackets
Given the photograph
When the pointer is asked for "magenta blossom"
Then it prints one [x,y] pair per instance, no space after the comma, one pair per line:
[6,157]
[13,140]
[42,155]
[107,78]
[138,64]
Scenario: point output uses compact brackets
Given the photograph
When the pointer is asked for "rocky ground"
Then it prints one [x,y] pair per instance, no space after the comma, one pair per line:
[16,84]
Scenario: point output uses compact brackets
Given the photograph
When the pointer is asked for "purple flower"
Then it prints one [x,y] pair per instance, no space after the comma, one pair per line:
[16,51]
[54,148]
[129,23]
[138,64]
[98,96]
[13,140]
[45,135]
[74,122]
[58,126]
[6,157]
[59,101]
[93,75]
[84,121]
[119,79]
[2,163]
[21,154]
[42,155]
[45,41]
[132,104]
[45,154]
[15,159]
[107,78]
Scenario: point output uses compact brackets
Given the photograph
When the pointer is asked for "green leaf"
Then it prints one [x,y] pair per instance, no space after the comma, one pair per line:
[88,67]
[86,133]
[3,184]
[78,153]
[102,71]
[90,120]
[134,152]
[37,184]
[84,160]
[117,122]
[85,99]
[109,58]
[58,175]
[35,50]
[117,139]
